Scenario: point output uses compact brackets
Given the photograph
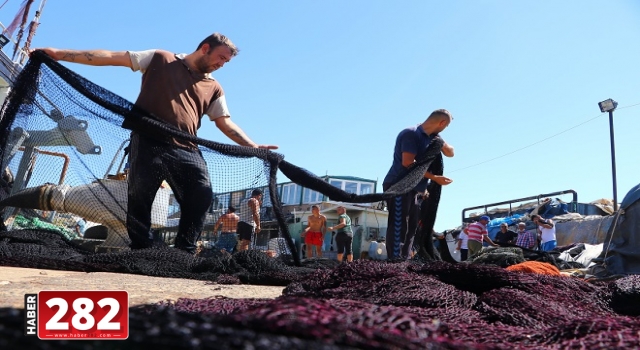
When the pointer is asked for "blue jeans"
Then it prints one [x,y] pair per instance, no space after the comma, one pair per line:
[548,246]
[227,241]
[153,161]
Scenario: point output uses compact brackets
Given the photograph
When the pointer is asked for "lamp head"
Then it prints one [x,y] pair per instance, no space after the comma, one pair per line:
[607,105]
[3,40]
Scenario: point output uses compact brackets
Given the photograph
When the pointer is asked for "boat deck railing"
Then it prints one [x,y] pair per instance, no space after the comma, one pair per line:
[572,206]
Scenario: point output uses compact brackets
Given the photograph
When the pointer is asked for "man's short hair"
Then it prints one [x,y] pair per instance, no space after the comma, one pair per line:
[440,113]
[216,39]
[522,224]
[231,209]
[314,207]
[256,192]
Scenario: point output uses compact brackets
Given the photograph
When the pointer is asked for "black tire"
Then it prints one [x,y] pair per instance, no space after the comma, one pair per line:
[96,232]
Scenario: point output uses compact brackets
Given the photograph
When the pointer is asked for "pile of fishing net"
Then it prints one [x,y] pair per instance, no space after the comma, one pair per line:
[49,250]
[512,255]
[378,305]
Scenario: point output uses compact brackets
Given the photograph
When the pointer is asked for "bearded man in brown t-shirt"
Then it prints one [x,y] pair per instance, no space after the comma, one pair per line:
[178,90]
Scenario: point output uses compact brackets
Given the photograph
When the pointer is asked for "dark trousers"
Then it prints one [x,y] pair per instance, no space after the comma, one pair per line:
[404,215]
[245,231]
[344,243]
[464,254]
[151,162]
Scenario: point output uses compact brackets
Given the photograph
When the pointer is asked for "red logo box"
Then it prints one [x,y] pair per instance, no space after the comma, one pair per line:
[83,315]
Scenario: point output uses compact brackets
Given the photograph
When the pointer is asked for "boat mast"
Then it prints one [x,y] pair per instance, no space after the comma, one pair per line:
[24,53]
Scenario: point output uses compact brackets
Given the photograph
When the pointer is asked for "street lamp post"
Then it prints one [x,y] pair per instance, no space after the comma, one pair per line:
[609,106]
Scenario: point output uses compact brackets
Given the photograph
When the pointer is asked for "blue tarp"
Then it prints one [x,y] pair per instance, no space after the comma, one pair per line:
[552,208]
[494,225]
[632,196]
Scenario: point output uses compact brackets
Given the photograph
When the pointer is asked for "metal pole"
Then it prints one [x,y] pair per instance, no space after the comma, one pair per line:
[613,163]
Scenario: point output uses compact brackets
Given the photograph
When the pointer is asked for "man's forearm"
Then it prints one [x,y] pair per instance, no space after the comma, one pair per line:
[92,57]
[233,131]
[447,150]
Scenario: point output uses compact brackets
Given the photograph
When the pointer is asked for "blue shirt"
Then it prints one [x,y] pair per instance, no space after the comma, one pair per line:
[81,225]
[411,140]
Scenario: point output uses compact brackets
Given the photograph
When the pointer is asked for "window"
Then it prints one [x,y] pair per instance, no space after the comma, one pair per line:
[266,197]
[291,194]
[356,187]
[279,193]
[222,201]
[174,206]
[351,187]
[310,196]
[366,188]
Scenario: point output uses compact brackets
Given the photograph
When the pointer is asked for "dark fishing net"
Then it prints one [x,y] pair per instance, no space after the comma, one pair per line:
[508,256]
[414,310]
[383,284]
[165,328]
[50,250]
[503,257]
[625,295]
[475,278]
[595,333]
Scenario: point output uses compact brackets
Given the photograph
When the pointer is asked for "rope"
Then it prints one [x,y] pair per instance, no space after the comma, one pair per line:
[612,230]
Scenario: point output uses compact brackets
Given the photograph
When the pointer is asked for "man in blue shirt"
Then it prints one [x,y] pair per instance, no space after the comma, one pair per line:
[412,143]
[81,224]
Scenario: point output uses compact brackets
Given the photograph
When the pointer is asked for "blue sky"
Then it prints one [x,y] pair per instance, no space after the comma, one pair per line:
[333,82]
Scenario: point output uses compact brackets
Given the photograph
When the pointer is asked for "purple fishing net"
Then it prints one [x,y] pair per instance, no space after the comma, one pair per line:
[375,305]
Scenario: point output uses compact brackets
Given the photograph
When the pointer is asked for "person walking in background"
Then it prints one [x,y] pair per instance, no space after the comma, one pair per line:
[249,219]
[478,233]
[314,233]
[462,246]
[505,237]
[344,237]
[404,211]
[547,233]
[228,224]
[526,239]
[80,227]
[177,89]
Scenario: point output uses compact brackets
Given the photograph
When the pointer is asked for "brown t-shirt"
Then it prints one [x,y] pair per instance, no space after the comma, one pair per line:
[175,94]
